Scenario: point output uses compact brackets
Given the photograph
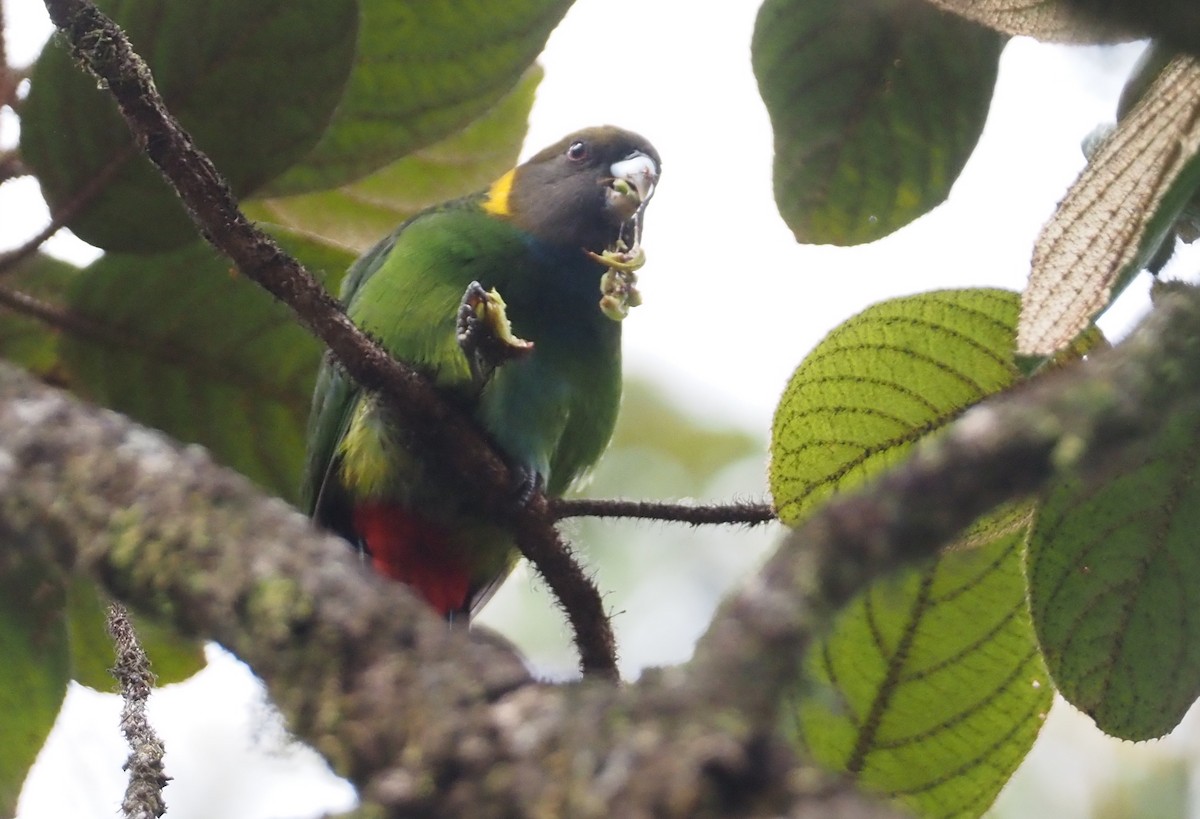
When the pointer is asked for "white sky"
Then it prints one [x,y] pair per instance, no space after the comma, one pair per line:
[731,302]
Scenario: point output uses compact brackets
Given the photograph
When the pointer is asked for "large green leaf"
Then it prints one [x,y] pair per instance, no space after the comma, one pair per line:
[875,105]
[172,657]
[24,340]
[880,381]
[182,343]
[1118,213]
[358,214]
[255,83]
[33,664]
[930,688]
[1114,585]
[423,71]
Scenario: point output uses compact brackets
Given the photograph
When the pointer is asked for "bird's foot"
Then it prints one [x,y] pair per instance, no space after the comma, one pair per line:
[526,481]
[485,334]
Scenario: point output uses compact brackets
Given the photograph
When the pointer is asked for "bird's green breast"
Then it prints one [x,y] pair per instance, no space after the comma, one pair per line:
[552,411]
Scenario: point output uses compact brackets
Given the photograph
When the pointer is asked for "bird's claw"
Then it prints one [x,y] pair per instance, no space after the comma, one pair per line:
[526,481]
[485,334]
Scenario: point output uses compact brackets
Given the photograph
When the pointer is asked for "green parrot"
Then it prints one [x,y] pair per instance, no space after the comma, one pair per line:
[510,300]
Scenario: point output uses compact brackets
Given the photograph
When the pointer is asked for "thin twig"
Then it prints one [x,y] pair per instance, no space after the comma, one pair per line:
[116,335]
[745,514]
[54,315]
[144,794]
[445,432]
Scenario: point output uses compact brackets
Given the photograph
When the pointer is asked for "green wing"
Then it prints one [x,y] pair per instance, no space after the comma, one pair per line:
[405,293]
[334,398]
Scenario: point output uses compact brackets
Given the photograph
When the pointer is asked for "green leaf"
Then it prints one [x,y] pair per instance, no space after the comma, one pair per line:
[172,658]
[255,83]
[875,105]
[877,383]
[930,689]
[358,215]
[424,70]
[24,340]
[182,343]
[1114,574]
[34,670]
[1117,214]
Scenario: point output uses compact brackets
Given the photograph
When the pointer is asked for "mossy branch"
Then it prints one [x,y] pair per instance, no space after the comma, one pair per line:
[424,722]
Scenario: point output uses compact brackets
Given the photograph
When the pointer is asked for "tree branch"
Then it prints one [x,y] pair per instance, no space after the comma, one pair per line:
[426,724]
[143,796]
[445,727]
[447,434]
[746,514]
[53,315]
[421,719]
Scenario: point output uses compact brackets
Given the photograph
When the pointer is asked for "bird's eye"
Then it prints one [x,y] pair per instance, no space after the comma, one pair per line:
[577,152]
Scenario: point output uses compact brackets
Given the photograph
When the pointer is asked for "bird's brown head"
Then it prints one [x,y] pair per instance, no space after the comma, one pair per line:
[585,190]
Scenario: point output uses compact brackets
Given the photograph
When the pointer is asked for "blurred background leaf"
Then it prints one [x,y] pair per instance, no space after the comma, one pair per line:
[179,341]
[34,663]
[225,68]
[358,214]
[422,71]
[875,106]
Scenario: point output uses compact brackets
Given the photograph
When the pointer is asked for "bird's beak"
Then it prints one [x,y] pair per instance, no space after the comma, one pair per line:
[633,183]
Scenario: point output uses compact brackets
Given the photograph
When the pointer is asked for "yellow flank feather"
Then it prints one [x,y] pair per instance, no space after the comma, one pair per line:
[497,196]
[368,461]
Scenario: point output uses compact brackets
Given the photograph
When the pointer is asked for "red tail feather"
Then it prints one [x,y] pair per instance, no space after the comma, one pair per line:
[408,548]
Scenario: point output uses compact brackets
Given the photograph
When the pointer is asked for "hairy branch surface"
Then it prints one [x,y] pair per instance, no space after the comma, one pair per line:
[144,794]
[744,514]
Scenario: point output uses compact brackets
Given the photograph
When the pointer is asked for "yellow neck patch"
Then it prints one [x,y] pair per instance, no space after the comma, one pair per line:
[496,202]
